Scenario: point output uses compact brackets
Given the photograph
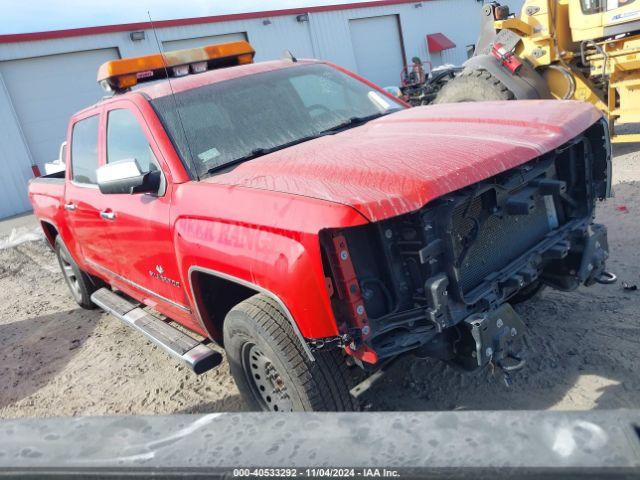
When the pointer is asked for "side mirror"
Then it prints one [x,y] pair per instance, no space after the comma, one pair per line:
[125,176]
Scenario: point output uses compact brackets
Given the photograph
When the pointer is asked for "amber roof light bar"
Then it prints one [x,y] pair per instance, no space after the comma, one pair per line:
[120,75]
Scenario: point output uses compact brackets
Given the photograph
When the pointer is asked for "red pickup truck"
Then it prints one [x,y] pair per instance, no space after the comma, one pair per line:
[309,222]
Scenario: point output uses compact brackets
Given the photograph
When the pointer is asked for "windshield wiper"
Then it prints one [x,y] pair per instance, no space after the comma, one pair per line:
[260,151]
[356,121]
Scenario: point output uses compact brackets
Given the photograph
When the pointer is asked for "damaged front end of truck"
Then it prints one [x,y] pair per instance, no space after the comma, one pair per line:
[439,282]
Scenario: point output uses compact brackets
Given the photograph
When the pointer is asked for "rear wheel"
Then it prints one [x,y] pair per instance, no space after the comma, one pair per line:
[270,368]
[80,283]
[474,86]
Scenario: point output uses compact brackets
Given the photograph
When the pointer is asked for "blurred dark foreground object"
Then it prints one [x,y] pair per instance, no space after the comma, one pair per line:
[462,444]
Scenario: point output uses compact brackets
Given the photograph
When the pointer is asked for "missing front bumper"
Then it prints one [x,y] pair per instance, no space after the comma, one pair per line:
[492,337]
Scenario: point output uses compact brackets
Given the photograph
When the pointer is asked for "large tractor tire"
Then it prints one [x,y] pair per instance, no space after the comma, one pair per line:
[474,86]
[270,368]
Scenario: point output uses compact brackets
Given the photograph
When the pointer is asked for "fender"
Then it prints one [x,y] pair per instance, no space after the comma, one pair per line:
[526,84]
[274,262]
[48,209]
[266,240]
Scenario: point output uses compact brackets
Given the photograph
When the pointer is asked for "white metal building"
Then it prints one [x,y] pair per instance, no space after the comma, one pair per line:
[45,77]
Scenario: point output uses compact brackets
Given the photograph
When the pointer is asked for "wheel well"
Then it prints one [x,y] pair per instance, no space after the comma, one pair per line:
[215,296]
[50,232]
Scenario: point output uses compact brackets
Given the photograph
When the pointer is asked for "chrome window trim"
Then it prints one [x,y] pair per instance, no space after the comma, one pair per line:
[140,287]
[253,286]
[84,185]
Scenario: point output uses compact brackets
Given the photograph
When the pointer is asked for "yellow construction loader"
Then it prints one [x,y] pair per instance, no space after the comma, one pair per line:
[566,49]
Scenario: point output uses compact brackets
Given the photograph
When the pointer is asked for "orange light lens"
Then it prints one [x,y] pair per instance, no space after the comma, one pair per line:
[243,59]
[127,81]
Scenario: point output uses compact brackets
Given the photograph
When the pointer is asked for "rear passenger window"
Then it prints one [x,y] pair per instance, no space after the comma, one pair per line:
[126,140]
[84,150]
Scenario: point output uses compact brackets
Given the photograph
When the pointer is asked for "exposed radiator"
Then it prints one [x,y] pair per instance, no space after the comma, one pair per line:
[489,243]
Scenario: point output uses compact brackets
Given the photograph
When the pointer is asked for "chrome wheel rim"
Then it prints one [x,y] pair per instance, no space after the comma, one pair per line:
[69,274]
[267,385]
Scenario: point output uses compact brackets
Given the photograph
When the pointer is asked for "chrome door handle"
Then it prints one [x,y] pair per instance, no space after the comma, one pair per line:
[70,206]
[108,215]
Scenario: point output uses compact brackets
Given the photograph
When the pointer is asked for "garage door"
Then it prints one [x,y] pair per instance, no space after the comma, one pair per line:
[378,48]
[199,41]
[46,91]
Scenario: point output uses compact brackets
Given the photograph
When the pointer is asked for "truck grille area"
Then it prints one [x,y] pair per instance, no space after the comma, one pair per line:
[483,248]
[419,275]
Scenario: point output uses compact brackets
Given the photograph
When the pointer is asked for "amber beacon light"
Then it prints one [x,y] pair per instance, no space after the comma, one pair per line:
[121,75]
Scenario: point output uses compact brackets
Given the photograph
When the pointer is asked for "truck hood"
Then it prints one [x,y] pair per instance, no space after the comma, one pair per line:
[400,162]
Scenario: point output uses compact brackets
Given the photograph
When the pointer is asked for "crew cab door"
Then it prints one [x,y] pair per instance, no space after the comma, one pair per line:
[140,225]
[83,202]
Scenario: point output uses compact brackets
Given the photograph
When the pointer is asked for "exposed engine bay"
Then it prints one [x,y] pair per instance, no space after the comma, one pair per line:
[439,282]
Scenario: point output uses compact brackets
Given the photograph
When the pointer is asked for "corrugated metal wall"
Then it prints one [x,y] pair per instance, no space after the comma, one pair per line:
[15,170]
[324,35]
[185,43]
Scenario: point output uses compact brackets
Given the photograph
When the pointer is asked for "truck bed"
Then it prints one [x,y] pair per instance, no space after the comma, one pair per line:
[48,184]
[47,195]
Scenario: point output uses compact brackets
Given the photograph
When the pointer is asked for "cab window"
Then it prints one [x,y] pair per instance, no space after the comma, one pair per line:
[592,6]
[613,4]
[127,140]
[599,6]
[84,150]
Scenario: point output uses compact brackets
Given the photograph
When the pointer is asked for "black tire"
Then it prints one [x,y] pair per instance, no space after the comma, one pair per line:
[474,86]
[527,293]
[80,284]
[270,368]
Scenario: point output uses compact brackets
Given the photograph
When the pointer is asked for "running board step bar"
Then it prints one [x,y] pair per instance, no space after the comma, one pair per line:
[195,354]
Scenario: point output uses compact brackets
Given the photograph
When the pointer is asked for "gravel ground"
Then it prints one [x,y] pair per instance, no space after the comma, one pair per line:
[59,360]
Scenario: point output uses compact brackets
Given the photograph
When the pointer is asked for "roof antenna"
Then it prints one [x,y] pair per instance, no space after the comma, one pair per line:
[287,55]
[173,96]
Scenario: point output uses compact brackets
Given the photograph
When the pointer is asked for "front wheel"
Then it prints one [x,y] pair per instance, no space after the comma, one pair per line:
[270,368]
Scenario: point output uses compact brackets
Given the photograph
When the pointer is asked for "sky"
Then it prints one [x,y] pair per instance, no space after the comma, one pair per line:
[24,16]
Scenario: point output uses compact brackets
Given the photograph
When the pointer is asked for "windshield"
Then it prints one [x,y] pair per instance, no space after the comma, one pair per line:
[244,117]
